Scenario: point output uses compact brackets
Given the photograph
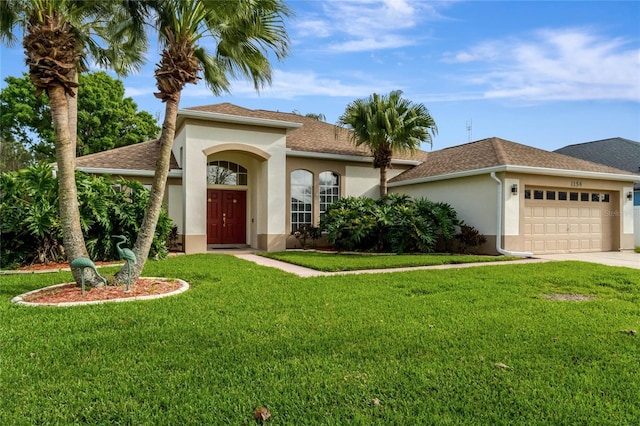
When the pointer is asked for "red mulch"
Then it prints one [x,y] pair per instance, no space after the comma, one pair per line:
[73,293]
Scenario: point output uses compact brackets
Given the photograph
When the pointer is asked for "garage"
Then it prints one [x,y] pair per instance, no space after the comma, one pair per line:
[557,220]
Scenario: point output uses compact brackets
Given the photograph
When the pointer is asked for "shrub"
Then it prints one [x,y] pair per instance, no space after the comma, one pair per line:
[393,223]
[29,219]
[306,232]
[469,238]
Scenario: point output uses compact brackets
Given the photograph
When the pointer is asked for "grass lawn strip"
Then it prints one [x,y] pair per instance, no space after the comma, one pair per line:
[336,262]
[460,346]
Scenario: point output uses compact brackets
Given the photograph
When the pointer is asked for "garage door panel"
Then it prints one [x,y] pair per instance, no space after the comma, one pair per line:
[556,226]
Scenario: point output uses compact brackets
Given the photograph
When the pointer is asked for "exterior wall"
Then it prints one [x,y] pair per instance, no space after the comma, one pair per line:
[636,225]
[262,151]
[364,180]
[473,198]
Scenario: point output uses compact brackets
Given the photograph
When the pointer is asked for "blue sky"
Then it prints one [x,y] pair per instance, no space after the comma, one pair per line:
[541,73]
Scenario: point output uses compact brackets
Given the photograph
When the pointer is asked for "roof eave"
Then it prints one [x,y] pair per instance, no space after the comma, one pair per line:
[173,173]
[235,119]
[520,169]
[345,157]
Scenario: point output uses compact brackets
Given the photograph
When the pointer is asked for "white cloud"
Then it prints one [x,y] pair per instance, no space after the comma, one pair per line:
[289,85]
[365,25]
[568,64]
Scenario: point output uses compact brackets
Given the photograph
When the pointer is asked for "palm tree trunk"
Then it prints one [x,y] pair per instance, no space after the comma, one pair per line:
[73,238]
[72,107]
[150,221]
[383,181]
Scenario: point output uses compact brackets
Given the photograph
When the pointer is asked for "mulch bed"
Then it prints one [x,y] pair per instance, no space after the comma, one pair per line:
[72,292]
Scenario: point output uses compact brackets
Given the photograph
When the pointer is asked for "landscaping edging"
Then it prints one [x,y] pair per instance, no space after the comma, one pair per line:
[19,300]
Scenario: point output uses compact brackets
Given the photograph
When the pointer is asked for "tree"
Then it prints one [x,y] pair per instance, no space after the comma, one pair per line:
[13,156]
[243,32]
[59,36]
[106,119]
[387,124]
[316,116]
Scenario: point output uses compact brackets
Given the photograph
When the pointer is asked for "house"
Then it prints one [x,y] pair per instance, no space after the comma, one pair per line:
[620,153]
[242,177]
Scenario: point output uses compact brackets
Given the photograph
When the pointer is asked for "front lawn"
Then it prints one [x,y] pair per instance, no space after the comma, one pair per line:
[334,262]
[480,345]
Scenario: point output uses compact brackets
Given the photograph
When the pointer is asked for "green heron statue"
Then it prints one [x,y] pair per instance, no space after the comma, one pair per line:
[126,254]
[83,263]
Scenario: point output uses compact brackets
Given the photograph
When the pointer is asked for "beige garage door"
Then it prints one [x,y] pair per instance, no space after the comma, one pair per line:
[561,221]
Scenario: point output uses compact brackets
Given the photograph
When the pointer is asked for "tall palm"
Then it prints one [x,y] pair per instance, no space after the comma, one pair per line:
[242,33]
[59,36]
[388,124]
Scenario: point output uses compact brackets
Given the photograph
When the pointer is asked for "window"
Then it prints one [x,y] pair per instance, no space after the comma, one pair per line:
[527,194]
[301,198]
[573,196]
[551,195]
[562,195]
[605,198]
[584,196]
[595,197]
[538,194]
[226,173]
[329,190]
[636,198]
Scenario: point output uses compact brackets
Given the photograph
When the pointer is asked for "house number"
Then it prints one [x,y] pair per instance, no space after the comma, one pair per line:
[576,183]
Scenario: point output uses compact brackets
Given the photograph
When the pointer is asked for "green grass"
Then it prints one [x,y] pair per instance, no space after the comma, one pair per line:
[334,262]
[321,350]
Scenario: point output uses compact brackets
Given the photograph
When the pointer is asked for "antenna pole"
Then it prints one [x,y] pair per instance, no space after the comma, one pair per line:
[469,129]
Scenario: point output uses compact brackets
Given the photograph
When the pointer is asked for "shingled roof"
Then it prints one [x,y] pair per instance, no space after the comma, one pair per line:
[313,136]
[493,152]
[620,153]
[140,156]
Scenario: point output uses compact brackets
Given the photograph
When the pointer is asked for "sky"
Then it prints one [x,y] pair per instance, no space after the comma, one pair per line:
[541,73]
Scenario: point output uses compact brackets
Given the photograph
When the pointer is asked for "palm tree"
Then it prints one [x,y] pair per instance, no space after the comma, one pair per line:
[387,124]
[243,33]
[59,35]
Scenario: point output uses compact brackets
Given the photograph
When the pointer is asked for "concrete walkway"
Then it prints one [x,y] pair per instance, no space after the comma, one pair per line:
[301,271]
[628,259]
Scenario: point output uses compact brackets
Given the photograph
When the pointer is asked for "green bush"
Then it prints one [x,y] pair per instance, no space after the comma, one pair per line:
[394,223]
[30,225]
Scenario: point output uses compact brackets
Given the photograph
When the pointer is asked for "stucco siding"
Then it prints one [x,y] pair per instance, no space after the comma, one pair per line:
[363,181]
[175,206]
[636,225]
[473,198]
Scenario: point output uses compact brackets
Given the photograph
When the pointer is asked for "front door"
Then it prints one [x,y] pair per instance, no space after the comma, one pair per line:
[226,216]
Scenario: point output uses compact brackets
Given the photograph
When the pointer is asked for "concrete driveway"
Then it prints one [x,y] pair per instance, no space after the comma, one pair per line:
[629,259]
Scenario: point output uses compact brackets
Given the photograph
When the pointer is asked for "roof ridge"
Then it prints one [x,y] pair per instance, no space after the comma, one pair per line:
[496,143]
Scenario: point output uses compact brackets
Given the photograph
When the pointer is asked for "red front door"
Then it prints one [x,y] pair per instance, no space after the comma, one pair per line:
[226,216]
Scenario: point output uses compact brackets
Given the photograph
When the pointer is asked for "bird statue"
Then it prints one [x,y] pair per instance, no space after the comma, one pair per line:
[83,263]
[126,254]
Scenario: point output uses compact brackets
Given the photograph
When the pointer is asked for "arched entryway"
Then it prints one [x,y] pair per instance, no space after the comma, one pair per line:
[235,188]
[226,203]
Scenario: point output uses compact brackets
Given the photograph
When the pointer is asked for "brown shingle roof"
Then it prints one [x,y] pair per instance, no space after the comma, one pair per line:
[140,156]
[313,136]
[494,152]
